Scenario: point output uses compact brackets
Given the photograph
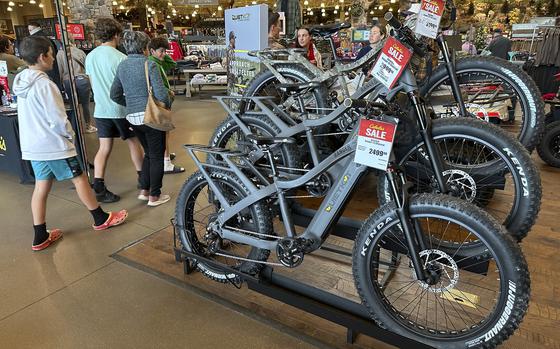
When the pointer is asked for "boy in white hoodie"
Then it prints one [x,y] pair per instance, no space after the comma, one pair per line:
[46,139]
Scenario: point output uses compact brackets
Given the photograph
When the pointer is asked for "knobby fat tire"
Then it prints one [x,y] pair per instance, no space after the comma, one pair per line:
[527,90]
[260,213]
[524,172]
[512,305]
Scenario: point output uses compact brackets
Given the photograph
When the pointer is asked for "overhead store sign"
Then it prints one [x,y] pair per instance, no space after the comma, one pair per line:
[196,2]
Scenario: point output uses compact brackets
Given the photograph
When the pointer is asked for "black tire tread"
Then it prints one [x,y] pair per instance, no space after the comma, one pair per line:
[263,215]
[508,245]
[533,137]
[518,230]
[552,130]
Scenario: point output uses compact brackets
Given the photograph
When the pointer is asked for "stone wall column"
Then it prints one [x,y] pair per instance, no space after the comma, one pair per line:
[87,11]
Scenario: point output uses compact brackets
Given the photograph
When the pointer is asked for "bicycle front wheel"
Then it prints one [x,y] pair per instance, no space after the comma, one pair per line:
[475,300]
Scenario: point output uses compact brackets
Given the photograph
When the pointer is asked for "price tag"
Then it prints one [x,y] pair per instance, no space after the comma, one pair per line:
[375,141]
[429,18]
[391,62]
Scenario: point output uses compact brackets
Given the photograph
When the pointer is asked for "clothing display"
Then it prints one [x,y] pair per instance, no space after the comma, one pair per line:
[547,49]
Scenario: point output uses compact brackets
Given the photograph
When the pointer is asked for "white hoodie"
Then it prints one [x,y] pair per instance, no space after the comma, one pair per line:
[45,133]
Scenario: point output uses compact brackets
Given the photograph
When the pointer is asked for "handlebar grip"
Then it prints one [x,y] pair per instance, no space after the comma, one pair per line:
[356,103]
[253,53]
[393,21]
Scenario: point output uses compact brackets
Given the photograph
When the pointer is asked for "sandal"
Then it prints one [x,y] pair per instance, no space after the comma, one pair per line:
[54,235]
[115,218]
[175,169]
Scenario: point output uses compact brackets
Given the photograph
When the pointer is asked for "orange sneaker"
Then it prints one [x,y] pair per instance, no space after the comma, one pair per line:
[54,235]
[115,218]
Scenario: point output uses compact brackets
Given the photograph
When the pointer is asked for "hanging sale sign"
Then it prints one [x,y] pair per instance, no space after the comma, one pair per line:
[375,141]
[429,18]
[391,62]
[77,30]
[4,78]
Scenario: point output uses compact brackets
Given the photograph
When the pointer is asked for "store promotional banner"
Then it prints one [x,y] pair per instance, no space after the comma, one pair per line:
[246,30]
[77,30]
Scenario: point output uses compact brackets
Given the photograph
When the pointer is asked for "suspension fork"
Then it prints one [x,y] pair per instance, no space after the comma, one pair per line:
[413,234]
[434,155]
[451,72]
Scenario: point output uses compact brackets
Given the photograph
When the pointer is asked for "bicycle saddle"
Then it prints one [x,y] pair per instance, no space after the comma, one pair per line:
[259,140]
[330,29]
[298,86]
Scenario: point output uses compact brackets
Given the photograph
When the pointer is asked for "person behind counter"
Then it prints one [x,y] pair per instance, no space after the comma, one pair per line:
[304,40]
[376,34]
[7,54]
[53,155]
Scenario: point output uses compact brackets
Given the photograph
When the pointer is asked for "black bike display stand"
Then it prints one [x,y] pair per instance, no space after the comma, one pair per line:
[351,315]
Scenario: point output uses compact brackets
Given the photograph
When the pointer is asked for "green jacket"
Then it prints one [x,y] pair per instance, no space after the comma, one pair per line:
[164,66]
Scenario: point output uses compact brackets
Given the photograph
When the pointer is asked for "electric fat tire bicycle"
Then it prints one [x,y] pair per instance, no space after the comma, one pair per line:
[428,266]
[464,157]
[482,87]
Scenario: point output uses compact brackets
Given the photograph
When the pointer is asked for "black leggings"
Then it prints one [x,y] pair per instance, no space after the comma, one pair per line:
[153,142]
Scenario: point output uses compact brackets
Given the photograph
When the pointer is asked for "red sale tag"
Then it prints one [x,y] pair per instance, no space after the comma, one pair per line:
[77,31]
[391,62]
[429,17]
[375,141]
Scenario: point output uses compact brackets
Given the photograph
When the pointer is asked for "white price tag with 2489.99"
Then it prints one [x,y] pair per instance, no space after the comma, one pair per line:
[375,141]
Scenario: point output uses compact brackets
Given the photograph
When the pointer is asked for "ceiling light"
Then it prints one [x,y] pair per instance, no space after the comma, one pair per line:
[32,2]
[324,14]
[322,4]
[11,3]
[341,1]
[336,7]
[196,6]
[253,2]
[391,9]
[275,5]
[9,9]
[115,3]
[187,17]
[381,7]
[371,12]
[311,13]
[335,12]
[219,8]
[393,1]
[306,2]
[168,16]
[20,5]
[346,13]
[169,4]
[41,5]
[121,7]
[322,10]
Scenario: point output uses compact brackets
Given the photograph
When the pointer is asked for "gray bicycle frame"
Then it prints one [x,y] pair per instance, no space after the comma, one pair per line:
[326,215]
[288,128]
[295,55]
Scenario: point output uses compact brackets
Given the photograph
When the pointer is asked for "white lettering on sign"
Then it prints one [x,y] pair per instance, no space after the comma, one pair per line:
[376,133]
[431,7]
[396,54]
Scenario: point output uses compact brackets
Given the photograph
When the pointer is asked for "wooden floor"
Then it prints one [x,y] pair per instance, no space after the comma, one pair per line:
[540,328]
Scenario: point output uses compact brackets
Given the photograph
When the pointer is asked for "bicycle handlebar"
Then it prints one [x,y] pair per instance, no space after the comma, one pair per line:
[406,35]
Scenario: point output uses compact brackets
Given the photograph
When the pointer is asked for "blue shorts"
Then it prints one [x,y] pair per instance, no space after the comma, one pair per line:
[60,169]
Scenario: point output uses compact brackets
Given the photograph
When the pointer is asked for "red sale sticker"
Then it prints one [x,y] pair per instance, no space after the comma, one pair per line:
[77,31]
[429,17]
[375,141]
[391,62]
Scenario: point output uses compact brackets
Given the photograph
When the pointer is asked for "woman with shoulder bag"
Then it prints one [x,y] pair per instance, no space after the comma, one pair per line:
[158,47]
[131,88]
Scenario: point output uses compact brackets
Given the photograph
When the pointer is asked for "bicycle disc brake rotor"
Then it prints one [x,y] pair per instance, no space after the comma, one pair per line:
[442,267]
[462,185]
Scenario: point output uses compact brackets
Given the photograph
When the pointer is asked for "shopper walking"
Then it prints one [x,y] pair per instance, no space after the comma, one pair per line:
[101,67]
[376,34]
[500,45]
[274,31]
[83,86]
[130,89]
[158,47]
[35,29]
[305,41]
[46,140]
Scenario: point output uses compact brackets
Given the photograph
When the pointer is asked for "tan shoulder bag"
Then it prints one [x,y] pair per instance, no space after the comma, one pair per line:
[157,116]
